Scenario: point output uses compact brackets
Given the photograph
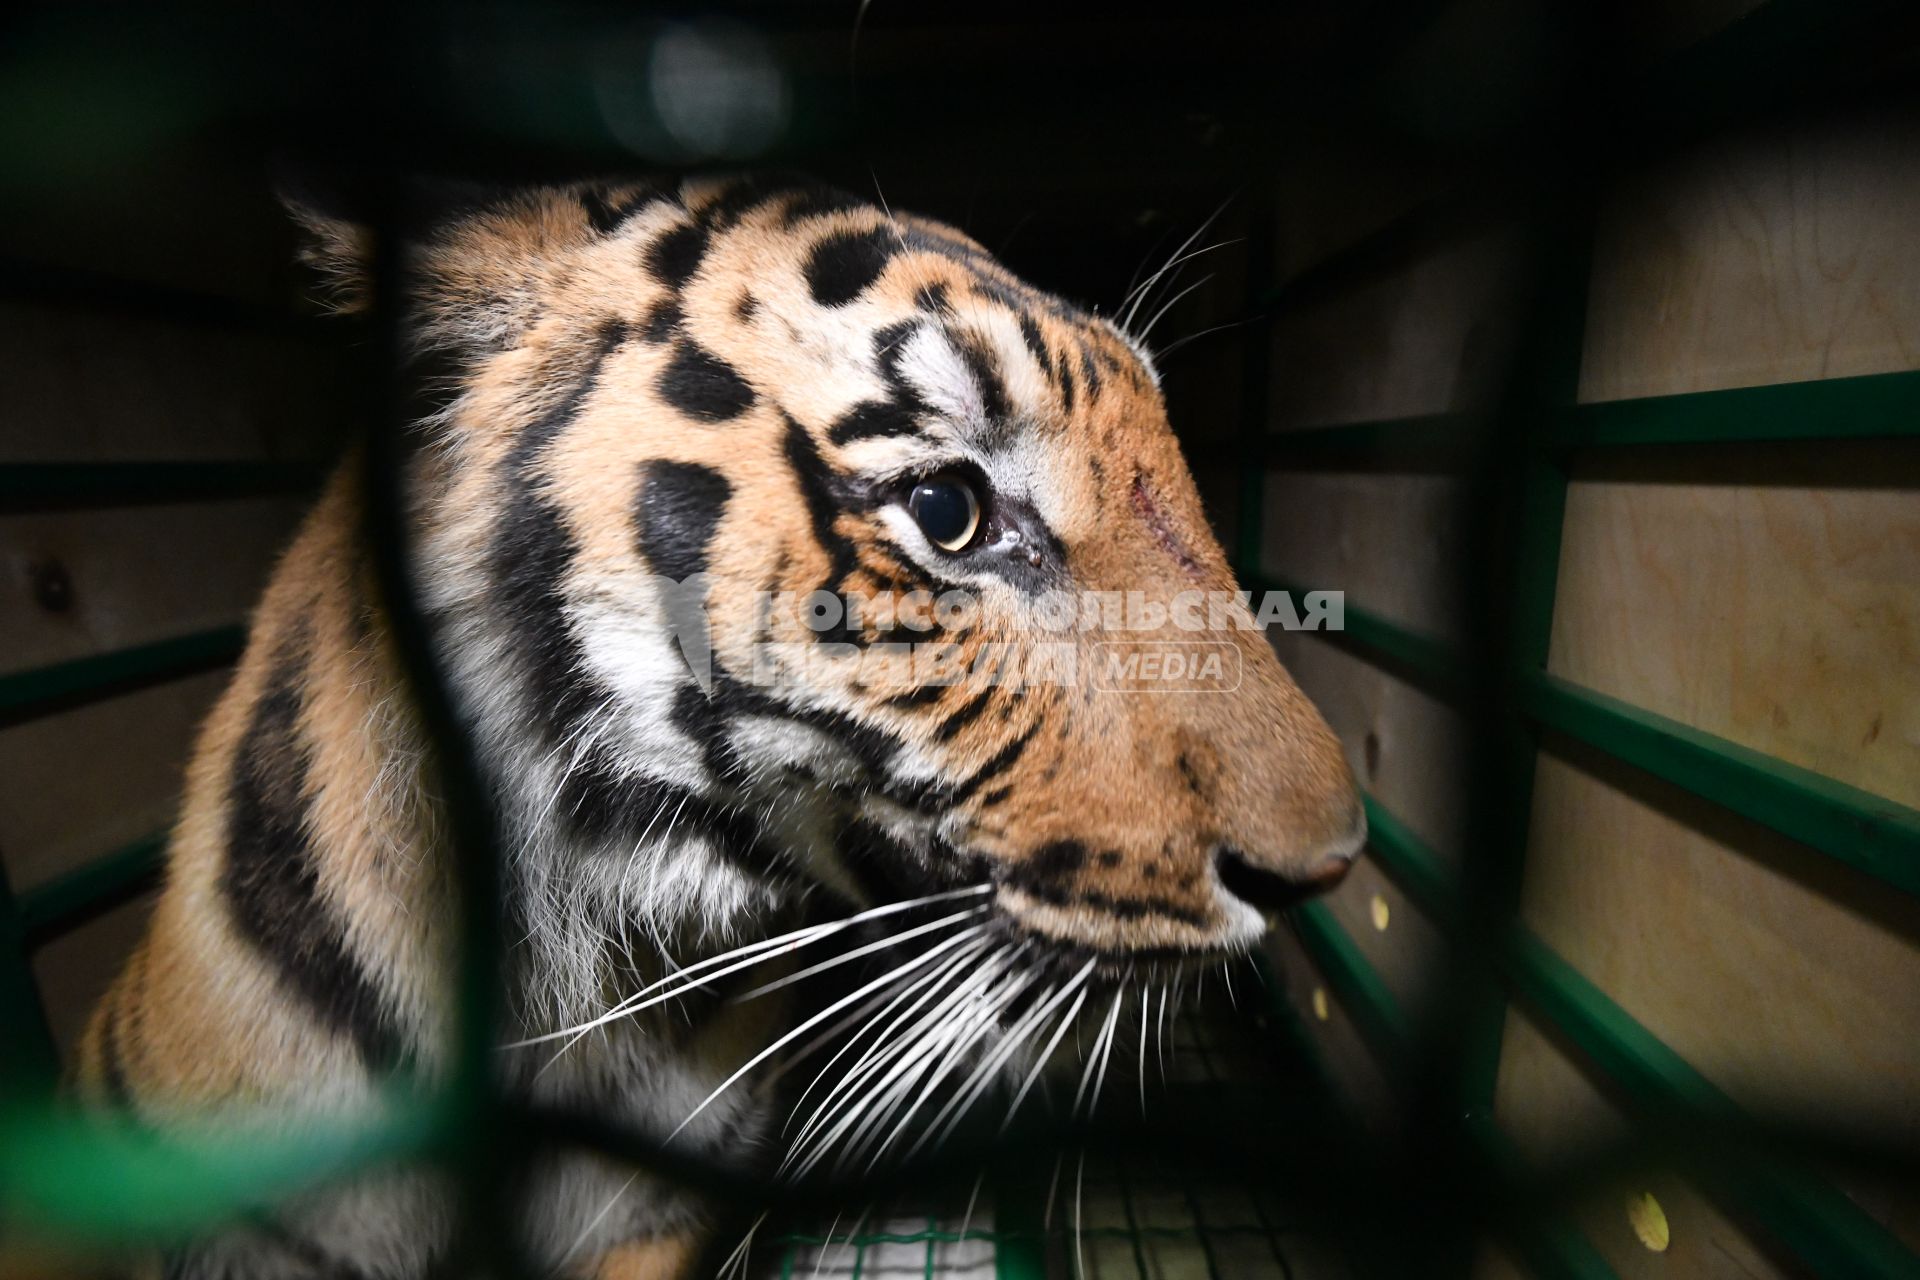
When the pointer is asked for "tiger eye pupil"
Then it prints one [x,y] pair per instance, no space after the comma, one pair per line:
[946,511]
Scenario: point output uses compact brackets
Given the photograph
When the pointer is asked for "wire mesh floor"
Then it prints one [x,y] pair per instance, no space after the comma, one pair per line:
[1103,1217]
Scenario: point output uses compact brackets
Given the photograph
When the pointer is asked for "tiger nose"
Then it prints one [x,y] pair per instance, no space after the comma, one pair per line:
[1260,883]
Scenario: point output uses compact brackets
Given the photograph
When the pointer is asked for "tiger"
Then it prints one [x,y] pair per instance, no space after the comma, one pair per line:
[648,401]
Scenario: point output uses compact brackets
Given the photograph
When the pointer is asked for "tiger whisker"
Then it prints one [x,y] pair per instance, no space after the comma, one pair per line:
[1143,1048]
[885,1047]
[900,1066]
[792,939]
[871,947]
[1183,258]
[957,1107]
[894,975]
[1097,1058]
[889,1040]
[1127,321]
[977,1032]
[1079,1235]
[1170,303]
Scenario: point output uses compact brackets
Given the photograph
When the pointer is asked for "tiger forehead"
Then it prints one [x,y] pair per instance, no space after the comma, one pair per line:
[834,278]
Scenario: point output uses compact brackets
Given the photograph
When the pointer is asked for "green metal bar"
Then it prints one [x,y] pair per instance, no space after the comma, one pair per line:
[1430,662]
[35,484]
[1808,1216]
[1876,406]
[1256,393]
[1552,1247]
[27,694]
[1020,1244]
[67,901]
[73,1177]
[1869,833]
[1871,407]
[28,1063]
[1805,1214]
[1360,988]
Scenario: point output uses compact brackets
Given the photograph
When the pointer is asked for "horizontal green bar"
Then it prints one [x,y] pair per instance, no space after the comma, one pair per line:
[1429,659]
[37,484]
[1870,407]
[1867,832]
[1874,406]
[1817,1222]
[1372,1006]
[1551,1248]
[67,901]
[26,694]
[1430,439]
[67,1177]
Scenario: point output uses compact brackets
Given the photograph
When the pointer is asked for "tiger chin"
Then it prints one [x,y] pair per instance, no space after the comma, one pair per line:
[771,391]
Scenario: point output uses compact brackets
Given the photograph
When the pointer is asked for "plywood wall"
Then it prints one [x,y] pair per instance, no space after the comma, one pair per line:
[1770,595]
[83,383]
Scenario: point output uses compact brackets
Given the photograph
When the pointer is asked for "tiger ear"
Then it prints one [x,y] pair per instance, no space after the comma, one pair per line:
[337,238]
[341,252]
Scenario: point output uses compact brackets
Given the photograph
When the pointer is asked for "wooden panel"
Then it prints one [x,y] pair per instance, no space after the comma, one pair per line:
[1787,980]
[1405,747]
[1390,540]
[1773,599]
[1348,1060]
[1554,1113]
[86,782]
[91,386]
[132,574]
[1430,340]
[1767,258]
[75,971]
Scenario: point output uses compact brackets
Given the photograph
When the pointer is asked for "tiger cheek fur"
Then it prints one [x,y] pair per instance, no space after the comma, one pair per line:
[673,405]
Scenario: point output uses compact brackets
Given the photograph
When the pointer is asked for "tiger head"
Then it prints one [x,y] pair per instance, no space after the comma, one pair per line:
[674,417]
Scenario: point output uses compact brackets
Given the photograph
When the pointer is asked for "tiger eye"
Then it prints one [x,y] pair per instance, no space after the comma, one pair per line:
[947,511]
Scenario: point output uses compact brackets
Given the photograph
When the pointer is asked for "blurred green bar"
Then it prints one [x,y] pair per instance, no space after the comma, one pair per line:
[90,1180]
[1869,833]
[68,484]
[1818,1223]
[1552,1248]
[63,903]
[27,694]
[1876,406]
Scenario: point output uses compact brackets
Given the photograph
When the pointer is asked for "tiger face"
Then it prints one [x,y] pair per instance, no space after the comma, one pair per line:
[687,409]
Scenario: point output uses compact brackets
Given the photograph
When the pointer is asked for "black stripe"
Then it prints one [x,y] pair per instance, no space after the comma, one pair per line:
[872,418]
[822,490]
[677,254]
[531,555]
[1036,344]
[963,717]
[984,365]
[113,1069]
[676,515]
[843,265]
[272,881]
[1089,374]
[1002,760]
[601,801]
[703,386]
[661,322]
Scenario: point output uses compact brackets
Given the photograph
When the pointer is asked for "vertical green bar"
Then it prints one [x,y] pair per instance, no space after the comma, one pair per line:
[1256,389]
[28,1063]
[1019,1234]
[1547,381]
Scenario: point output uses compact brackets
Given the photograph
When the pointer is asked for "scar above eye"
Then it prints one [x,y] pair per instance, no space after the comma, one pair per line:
[1155,519]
